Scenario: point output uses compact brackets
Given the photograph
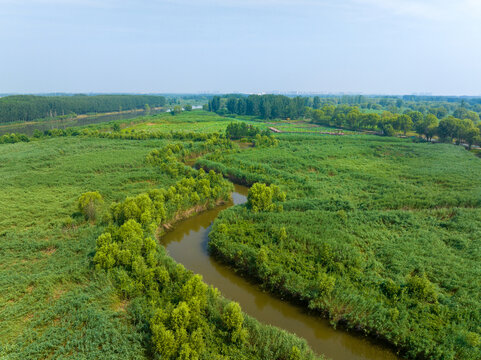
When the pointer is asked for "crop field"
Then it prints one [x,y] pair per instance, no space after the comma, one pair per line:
[381,234]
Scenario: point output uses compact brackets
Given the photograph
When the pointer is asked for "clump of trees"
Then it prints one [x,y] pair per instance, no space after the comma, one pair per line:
[263,106]
[176,110]
[239,130]
[178,329]
[421,288]
[262,197]
[156,207]
[170,158]
[265,141]
[233,321]
[13,138]
[167,158]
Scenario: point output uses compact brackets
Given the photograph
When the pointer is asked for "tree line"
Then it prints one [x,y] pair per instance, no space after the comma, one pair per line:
[461,125]
[30,107]
[131,134]
[466,129]
[263,106]
[459,107]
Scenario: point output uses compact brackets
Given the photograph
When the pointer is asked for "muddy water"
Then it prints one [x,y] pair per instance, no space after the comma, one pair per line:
[187,244]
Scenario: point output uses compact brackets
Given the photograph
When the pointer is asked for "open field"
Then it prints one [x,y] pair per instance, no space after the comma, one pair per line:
[51,301]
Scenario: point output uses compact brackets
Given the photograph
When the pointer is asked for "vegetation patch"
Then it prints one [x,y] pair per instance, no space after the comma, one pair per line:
[389,245]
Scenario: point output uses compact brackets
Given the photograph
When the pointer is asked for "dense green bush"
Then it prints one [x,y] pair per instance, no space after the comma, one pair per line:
[13,138]
[261,197]
[265,141]
[89,203]
[236,131]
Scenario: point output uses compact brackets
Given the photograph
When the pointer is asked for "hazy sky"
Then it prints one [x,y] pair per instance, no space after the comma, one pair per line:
[360,46]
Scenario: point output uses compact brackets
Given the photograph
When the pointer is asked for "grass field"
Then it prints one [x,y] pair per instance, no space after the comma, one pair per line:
[379,233]
[203,121]
[51,302]
[189,121]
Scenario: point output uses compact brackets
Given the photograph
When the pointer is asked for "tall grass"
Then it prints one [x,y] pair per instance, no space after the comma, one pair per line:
[379,234]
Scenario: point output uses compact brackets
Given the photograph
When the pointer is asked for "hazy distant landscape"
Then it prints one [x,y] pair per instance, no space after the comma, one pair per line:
[362,210]
[216,180]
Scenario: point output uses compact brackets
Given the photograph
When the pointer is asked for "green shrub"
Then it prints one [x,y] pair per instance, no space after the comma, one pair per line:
[89,204]
[233,320]
[261,198]
[421,288]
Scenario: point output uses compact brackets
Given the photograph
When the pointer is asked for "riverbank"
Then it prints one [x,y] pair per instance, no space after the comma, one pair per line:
[28,128]
[187,243]
[366,237]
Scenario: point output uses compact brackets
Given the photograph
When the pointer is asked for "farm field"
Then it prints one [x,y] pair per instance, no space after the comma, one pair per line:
[380,234]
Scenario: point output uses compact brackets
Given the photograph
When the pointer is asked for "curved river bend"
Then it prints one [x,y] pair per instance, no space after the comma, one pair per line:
[187,244]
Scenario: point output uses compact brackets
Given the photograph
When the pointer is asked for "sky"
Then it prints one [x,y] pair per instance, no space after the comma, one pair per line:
[250,46]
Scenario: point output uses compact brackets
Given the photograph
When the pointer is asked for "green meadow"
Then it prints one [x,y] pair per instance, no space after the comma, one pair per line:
[52,302]
[379,234]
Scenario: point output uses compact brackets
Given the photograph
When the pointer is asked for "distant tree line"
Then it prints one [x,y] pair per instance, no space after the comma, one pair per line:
[438,105]
[453,121]
[465,129]
[30,107]
[459,107]
[262,106]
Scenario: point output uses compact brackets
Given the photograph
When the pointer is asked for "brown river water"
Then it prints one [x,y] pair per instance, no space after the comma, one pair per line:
[187,244]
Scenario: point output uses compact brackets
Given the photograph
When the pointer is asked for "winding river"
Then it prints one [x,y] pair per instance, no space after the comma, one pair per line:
[187,244]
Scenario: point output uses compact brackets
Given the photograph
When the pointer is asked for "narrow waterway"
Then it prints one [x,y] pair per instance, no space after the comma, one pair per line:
[30,127]
[187,244]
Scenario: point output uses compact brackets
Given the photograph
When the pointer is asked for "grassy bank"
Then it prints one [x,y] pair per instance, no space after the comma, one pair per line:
[380,234]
